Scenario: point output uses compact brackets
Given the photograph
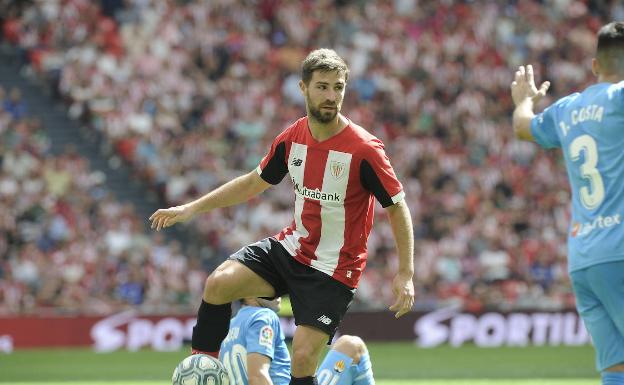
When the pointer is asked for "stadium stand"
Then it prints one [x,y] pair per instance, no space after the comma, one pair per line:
[67,245]
[190,93]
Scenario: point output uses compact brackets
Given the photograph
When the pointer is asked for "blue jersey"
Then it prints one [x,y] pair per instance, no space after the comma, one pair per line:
[255,330]
[589,128]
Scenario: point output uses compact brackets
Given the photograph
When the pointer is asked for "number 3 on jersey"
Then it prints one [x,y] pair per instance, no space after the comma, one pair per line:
[591,197]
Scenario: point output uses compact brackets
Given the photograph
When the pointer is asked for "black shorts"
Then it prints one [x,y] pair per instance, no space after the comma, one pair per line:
[317,299]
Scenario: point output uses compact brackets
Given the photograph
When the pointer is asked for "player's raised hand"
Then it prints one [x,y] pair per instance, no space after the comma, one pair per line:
[523,86]
[164,218]
[403,289]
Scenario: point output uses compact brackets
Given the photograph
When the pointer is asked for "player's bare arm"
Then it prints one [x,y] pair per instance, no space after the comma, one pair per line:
[525,96]
[236,191]
[258,366]
[402,285]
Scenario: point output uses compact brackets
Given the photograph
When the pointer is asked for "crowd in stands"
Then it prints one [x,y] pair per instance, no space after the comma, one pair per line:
[66,245]
[191,93]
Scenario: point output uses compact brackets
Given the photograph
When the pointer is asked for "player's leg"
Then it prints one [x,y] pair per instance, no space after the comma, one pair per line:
[348,362]
[352,346]
[308,343]
[248,273]
[319,302]
[233,280]
[608,341]
[607,283]
[362,368]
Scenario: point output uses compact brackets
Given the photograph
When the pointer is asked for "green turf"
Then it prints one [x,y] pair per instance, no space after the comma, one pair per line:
[407,361]
[390,361]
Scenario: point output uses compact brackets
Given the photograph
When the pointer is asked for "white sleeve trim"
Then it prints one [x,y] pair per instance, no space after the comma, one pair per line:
[259,170]
[399,197]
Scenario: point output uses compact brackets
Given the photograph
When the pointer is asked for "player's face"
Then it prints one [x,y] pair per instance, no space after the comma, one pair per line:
[324,95]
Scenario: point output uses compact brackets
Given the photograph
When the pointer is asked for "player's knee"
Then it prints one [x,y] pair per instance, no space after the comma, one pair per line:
[353,346]
[215,289]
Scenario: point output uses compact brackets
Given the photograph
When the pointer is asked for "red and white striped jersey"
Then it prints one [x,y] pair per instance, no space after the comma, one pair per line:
[334,183]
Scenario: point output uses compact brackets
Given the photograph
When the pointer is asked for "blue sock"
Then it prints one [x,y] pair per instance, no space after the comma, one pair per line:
[364,374]
[336,369]
[612,378]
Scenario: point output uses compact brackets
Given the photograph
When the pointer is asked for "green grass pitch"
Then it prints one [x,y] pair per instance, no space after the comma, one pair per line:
[393,364]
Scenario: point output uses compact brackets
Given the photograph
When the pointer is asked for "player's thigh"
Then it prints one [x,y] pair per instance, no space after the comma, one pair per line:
[608,341]
[607,281]
[232,280]
[318,300]
[250,272]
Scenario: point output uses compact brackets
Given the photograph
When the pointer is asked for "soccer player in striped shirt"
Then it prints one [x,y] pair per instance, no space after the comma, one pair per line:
[337,170]
[589,128]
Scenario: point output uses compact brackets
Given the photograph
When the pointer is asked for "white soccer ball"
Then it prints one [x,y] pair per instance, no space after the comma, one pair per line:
[200,369]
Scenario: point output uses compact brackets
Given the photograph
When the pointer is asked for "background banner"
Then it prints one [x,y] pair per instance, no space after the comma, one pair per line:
[132,331]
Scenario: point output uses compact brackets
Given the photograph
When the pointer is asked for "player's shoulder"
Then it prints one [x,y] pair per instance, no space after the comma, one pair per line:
[566,100]
[600,90]
[559,107]
[361,133]
[364,140]
[262,314]
[615,90]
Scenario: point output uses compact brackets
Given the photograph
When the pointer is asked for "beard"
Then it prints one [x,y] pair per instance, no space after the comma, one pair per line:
[320,115]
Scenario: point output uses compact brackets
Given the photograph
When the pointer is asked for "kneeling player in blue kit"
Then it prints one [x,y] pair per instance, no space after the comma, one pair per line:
[254,351]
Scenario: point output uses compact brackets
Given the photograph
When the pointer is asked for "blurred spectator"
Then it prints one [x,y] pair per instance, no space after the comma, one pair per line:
[191,93]
[14,104]
[66,246]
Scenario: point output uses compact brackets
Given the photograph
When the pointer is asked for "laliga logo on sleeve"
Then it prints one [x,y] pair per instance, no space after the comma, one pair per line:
[339,366]
[266,336]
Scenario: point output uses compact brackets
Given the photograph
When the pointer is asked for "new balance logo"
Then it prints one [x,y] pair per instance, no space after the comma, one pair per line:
[297,162]
[325,319]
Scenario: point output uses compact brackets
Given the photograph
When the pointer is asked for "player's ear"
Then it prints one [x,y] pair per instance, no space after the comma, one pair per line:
[302,86]
[595,67]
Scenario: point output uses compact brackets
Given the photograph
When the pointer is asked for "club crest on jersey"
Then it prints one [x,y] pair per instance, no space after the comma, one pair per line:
[339,366]
[337,169]
[266,336]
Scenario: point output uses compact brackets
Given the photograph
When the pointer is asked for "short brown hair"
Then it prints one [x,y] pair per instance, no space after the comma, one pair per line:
[324,60]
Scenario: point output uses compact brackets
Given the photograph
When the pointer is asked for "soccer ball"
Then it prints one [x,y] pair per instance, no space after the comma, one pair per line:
[200,369]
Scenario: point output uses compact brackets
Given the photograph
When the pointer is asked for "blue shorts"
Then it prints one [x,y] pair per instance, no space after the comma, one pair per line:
[599,291]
